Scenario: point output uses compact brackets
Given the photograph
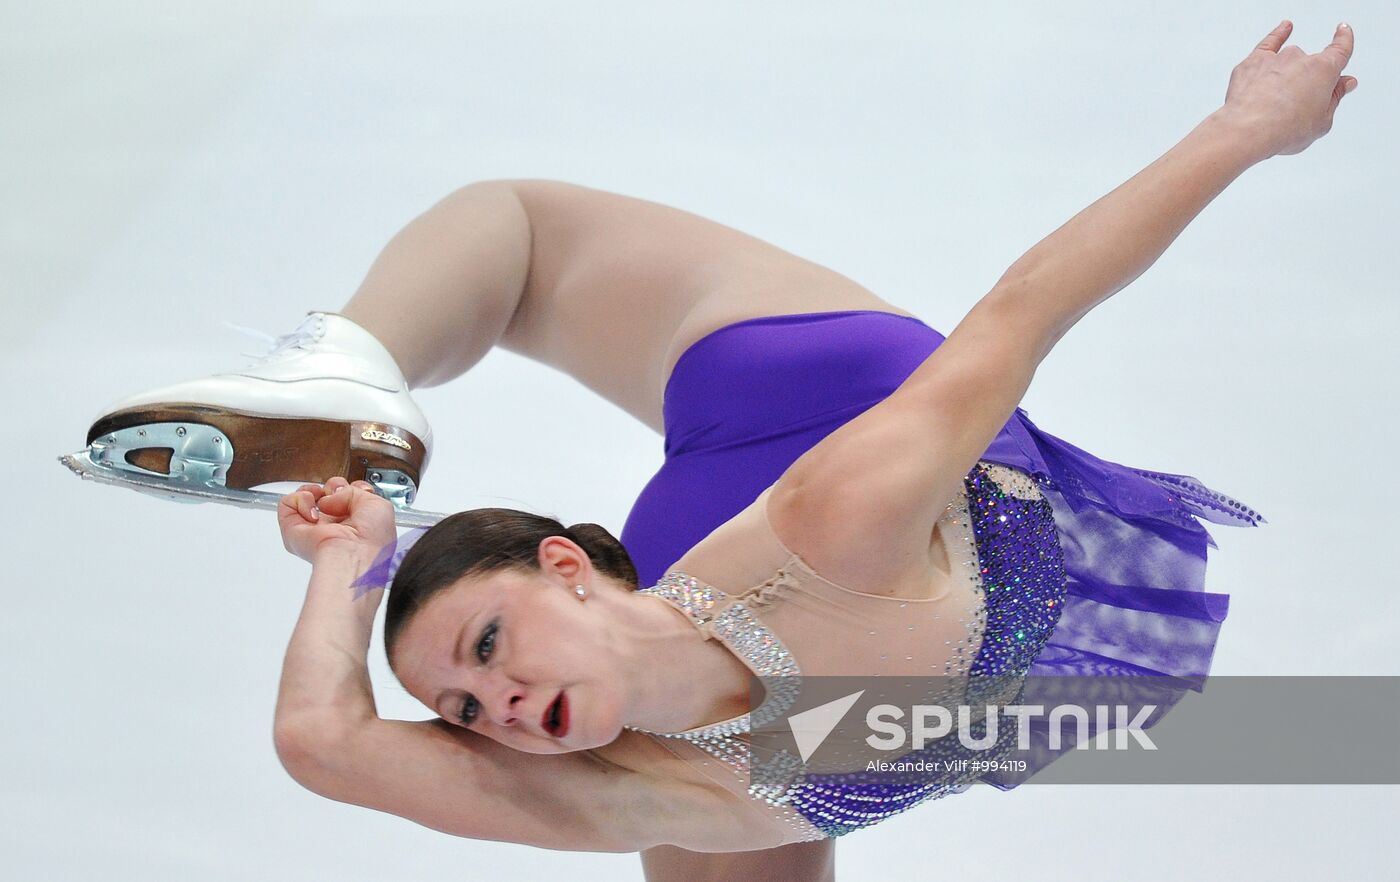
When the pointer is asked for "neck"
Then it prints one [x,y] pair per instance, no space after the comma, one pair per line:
[678,679]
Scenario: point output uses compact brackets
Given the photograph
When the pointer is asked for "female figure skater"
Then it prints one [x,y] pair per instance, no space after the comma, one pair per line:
[845,493]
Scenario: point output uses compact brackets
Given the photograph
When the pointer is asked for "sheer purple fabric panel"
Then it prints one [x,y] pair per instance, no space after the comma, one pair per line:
[1137,613]
[1135,557]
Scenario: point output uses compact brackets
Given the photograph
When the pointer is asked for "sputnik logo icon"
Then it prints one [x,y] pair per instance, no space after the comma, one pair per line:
[811,727]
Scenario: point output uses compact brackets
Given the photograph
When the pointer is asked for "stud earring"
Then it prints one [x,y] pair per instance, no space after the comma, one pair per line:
[580,591]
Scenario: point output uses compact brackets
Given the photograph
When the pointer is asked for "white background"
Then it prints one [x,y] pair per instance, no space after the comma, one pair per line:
[166,166]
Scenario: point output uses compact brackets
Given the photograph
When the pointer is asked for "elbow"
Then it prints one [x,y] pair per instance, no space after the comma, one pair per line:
[312,751]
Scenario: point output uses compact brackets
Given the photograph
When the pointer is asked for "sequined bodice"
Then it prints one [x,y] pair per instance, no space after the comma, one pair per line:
[992,618]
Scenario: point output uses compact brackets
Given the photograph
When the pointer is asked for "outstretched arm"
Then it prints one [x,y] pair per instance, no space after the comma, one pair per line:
[886,476]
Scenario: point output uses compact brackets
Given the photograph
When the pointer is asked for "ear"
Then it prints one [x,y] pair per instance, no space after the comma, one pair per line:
[562,557]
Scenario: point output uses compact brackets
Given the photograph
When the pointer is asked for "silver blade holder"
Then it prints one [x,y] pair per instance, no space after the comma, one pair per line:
[177,490]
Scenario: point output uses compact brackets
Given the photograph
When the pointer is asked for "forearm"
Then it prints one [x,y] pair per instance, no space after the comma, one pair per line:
[445,288]
[1106,246]
[324,673]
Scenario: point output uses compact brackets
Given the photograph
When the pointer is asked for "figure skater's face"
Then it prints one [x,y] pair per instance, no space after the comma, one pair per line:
[517,656]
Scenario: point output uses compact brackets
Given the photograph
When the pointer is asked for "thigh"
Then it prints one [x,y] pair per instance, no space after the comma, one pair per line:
[618,287]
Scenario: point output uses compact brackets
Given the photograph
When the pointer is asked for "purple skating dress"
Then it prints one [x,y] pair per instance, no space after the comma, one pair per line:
[1076,565]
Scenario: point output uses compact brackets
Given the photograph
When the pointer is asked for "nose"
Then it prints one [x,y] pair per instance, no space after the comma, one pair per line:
[501,698]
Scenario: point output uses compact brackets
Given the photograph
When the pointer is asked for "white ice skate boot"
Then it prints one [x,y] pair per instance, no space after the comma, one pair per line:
[327,400]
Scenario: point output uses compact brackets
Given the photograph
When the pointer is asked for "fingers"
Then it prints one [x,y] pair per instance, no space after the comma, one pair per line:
[1344,85]
[1339,50]
[338,501]
[332,499]
[303,502]
[316,490]
[1275,39]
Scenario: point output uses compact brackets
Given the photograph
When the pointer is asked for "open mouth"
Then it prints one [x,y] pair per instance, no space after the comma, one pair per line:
[556,717]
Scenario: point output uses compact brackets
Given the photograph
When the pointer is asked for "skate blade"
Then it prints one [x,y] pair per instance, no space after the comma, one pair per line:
[82,465]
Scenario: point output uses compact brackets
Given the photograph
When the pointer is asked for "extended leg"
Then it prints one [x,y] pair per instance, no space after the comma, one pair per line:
[443,290]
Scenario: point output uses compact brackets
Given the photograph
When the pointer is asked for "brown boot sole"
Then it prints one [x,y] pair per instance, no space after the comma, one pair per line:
[270,449]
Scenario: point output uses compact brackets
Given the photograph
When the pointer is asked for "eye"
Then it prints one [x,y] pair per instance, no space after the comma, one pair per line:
[470,708]
[484,646]
[486,642]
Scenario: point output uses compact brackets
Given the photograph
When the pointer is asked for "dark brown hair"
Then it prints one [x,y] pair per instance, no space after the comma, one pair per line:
[484,540]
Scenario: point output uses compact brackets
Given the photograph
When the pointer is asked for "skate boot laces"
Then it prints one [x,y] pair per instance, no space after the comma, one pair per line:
[281,346]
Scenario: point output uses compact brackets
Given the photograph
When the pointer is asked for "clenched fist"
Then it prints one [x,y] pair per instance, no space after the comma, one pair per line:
[350,516]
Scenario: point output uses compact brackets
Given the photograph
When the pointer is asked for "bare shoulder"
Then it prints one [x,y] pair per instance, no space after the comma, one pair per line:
[865,554]
[749,547]
[690,809]
[865,501]
[623,797]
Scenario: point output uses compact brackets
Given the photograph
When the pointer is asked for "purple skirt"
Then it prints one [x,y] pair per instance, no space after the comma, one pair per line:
[745,401]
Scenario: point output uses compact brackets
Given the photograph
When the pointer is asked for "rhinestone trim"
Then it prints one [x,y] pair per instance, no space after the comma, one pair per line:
[775,781]
[761,649]
[963,557]
[694,597]
[1013,482]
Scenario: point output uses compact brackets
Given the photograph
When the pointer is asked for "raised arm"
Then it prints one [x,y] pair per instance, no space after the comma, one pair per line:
[332,741]
[881,481]
[1277,103]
